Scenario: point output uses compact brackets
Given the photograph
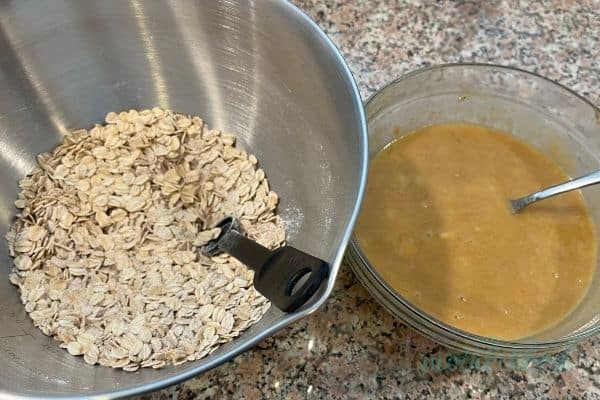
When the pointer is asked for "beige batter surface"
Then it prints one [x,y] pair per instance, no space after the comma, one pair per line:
[436,225]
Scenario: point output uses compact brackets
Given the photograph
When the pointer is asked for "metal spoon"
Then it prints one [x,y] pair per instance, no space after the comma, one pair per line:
[586,180]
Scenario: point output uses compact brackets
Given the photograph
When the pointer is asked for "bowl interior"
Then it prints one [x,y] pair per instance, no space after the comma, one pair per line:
[261,70]
[551,118]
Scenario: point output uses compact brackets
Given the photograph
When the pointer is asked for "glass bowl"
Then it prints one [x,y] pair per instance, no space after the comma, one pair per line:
[550,117]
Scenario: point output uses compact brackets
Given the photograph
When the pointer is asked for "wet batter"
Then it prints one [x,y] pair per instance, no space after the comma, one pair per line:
[436,225]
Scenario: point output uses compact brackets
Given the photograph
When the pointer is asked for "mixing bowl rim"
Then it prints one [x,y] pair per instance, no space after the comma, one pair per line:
[394,296]
[347,77]
[482,66]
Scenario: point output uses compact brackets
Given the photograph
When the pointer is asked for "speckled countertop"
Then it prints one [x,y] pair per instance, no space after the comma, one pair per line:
[352,348]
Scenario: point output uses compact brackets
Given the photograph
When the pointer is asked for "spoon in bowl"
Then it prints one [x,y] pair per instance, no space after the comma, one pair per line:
[586,180]
[286,276]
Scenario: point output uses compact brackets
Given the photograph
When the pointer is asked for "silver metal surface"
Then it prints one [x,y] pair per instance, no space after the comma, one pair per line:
[586,180]
[260,69]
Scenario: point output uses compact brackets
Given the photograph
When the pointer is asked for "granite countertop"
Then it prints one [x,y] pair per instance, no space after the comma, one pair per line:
[352,348]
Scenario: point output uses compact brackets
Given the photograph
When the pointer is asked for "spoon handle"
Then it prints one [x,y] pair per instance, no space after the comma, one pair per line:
[586,180]
[286,276]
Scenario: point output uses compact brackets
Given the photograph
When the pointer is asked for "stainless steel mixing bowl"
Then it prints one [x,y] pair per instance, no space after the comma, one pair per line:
[260,69]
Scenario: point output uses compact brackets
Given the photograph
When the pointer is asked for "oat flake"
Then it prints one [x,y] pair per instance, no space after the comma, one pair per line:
[105,242]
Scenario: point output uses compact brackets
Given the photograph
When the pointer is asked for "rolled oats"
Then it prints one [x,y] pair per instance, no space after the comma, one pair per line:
[105,242]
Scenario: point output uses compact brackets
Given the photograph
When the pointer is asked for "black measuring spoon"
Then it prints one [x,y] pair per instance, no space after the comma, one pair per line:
[286,276]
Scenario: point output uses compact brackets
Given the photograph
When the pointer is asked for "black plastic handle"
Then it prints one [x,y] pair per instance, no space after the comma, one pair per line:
[286,276]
